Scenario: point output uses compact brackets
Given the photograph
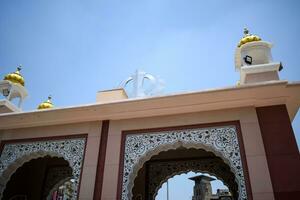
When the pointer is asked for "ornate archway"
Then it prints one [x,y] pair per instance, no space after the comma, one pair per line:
[14,155]
[140,147]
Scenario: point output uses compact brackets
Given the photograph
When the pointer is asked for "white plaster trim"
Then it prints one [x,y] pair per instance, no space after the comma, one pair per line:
[9,105]
[237,55]
[16,90]
[253,69]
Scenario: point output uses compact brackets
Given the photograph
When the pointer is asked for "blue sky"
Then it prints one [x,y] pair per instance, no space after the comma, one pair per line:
[74,48]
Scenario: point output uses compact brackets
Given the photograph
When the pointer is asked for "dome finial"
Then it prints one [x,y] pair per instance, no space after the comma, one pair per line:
[248,38]
[19,67]
[246,31]
[46,104]
[16,77]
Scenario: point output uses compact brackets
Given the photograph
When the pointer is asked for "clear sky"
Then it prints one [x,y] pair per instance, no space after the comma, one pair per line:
[74,48]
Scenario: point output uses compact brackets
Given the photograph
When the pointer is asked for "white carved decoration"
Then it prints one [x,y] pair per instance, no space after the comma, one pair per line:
[222,141]
[15,155]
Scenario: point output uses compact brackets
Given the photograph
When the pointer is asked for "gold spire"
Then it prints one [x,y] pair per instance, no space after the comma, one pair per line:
[248,38]
[16,77]
[46,104]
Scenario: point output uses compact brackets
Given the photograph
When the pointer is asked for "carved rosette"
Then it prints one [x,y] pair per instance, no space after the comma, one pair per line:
[222,141]
[15,155]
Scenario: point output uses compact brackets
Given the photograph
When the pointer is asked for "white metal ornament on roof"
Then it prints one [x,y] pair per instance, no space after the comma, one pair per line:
[139,88]
[222,141]
[15,155]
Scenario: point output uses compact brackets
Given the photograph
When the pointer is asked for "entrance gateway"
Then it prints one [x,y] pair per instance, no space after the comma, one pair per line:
[220,140]
[125,148]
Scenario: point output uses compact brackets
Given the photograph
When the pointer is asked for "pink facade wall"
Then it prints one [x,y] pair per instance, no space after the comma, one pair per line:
[251,134]
[254,148]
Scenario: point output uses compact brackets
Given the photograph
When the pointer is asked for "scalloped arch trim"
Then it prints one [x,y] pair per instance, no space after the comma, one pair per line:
[14,155]
[222,141]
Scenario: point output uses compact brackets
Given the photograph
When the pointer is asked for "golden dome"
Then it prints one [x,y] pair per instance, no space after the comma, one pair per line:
[46,104]
[248,38]
[15,77]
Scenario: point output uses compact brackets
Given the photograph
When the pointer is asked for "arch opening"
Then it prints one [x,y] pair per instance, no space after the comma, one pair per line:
[182,187]
[36,178]
[15,154]
[167,164]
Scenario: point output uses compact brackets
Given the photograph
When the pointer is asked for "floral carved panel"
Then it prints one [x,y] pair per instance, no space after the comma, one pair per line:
[14,155]
[222,141]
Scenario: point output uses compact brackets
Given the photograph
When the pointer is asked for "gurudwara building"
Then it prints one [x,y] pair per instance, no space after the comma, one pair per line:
[122,148]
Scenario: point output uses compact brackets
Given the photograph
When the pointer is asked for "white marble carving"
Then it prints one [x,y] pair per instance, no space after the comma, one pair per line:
[222,141]
[15,155]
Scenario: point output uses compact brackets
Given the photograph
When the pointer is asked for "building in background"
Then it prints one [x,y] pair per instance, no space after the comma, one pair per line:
[203,190]
[126,148]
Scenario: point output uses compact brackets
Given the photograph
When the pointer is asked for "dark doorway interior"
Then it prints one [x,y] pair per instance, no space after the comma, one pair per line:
[36,178]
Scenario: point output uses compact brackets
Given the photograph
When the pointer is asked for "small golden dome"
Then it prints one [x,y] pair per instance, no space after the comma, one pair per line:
[46,104]
[16,77]
[248,38]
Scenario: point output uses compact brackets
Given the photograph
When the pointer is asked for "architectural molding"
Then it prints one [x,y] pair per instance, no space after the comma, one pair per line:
[266,93]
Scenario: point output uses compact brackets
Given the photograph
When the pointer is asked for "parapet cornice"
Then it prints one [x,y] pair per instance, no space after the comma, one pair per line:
[248,95]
